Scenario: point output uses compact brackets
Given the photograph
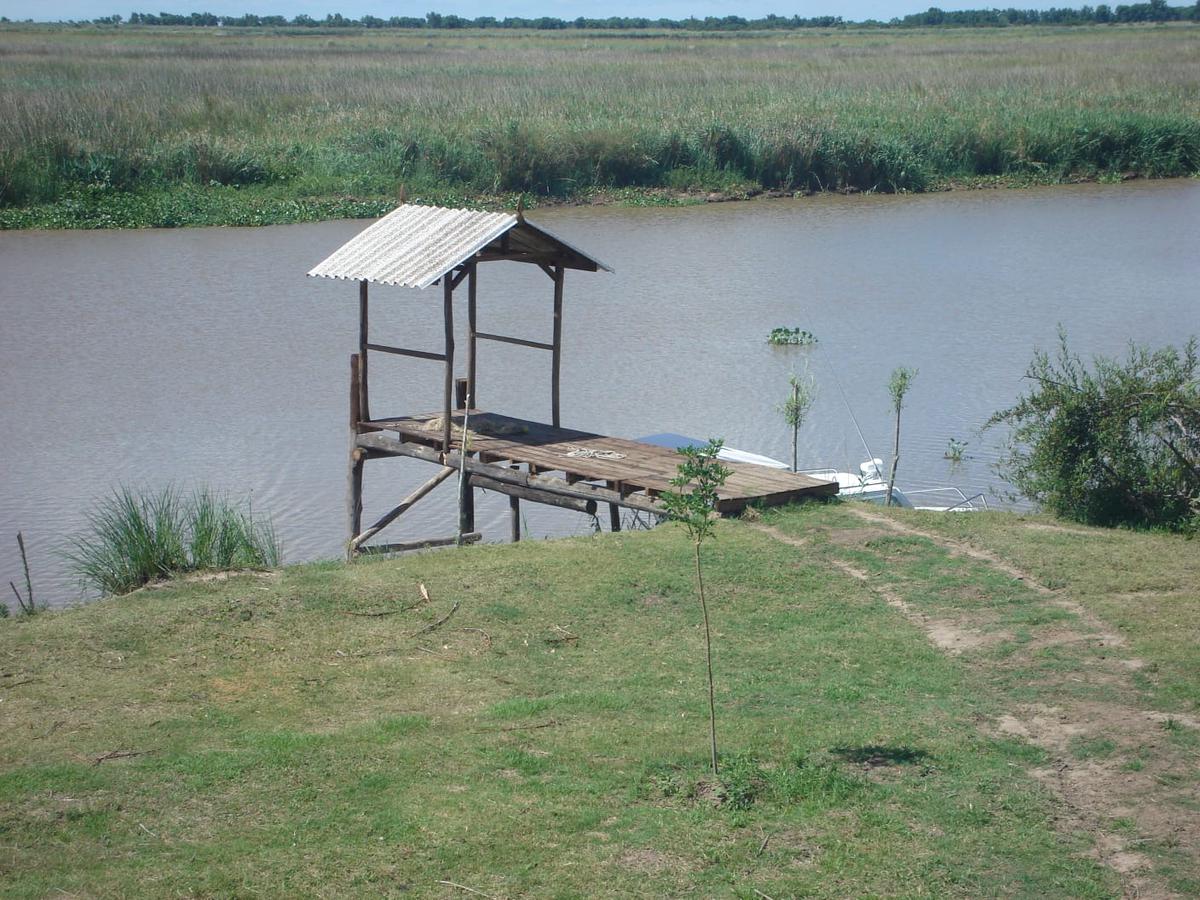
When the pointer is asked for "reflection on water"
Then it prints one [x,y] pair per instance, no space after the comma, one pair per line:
[205,356]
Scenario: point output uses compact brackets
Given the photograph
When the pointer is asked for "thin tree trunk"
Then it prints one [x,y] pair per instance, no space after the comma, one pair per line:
[25,564]
[895,461]
[712,706]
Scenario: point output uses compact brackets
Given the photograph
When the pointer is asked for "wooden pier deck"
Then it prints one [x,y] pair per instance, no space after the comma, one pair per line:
[635,471]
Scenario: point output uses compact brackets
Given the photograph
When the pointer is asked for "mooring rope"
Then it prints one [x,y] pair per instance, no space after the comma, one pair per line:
[589,453]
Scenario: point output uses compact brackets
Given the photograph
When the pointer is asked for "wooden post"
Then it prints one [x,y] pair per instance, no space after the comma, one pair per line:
[466,508]
[472,323]
[556,363]
[448,392]
[614,510]
[514,518]
[355,477]
[364,395]
[460,393]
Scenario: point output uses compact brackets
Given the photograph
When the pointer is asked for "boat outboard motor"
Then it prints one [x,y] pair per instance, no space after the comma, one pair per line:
[871,470]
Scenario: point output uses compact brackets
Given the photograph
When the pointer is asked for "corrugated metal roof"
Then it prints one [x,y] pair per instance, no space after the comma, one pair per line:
[414,246]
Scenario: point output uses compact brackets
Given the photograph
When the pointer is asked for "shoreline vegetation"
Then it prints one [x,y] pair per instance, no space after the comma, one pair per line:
[161,127]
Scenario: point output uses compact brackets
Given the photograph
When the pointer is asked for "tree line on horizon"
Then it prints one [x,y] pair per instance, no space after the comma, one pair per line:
[1152,11]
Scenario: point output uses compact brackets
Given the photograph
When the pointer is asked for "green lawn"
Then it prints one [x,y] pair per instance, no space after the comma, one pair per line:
[549,738]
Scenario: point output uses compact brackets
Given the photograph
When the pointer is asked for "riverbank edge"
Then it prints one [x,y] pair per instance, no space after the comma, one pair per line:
[196,207]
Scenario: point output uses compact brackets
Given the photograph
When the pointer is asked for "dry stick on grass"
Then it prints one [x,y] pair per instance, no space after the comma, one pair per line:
[486,637]
[391,612]
[563,637]
[439,623]
[763,846]
[548,724]
[119,754]
[463,887]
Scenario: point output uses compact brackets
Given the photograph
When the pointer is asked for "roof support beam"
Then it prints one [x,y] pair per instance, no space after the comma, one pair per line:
[556,346]
[448,387]
[472,335]
[363,395]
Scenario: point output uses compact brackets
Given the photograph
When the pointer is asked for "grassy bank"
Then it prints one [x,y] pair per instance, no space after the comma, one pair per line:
[300,733]
[157,127]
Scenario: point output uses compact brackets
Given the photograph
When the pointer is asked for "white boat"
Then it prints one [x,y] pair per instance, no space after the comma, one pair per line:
[869,484]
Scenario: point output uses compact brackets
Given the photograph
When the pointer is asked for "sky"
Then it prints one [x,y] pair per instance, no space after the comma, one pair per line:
[856,10]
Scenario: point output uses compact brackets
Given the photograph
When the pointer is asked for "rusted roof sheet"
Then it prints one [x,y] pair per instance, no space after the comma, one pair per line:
[414,245]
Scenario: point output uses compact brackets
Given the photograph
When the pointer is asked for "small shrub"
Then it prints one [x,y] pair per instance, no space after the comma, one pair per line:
[137,538]
[1116,444]
[743,781]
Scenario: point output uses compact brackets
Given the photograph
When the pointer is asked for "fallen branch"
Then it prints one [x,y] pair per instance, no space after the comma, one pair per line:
[548,724]
[119,754]
[564,636]
[13,684]
[486,637]
[763,846]
[439,623]
[391,612]
[463,887]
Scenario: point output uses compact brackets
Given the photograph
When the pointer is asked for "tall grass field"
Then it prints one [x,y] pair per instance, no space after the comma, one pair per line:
[154,126]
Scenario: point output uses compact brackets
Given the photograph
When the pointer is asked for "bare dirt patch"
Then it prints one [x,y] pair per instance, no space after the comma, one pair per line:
[781,536]
[1157,796]
[955,547]
[1060,529]
[1094,627]
[951,636]
[653,861]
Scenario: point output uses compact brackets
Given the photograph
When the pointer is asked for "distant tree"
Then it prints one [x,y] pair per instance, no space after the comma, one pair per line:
[1117,444]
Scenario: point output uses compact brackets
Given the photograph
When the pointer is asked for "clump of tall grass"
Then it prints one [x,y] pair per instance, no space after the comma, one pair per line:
[135,538]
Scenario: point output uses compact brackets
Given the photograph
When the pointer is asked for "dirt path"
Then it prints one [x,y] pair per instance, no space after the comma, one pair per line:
[1126,807]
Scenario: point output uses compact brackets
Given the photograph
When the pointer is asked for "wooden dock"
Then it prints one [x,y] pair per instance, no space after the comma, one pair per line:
[631,473]
[418,246]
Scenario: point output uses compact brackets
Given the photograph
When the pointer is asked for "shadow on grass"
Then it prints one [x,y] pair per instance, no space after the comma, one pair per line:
[877,755]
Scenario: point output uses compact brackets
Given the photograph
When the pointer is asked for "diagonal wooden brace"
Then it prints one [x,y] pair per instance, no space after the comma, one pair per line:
[406,504]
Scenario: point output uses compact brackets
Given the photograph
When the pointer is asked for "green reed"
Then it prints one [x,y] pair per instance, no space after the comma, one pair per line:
[259,120]
[134,538]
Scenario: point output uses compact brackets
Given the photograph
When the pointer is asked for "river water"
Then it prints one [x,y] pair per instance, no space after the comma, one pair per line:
[205,356]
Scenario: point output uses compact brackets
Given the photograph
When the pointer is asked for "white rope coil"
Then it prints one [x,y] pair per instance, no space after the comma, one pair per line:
[589,453]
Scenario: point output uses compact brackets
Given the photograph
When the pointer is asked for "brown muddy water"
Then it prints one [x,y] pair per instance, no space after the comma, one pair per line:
[205,356]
